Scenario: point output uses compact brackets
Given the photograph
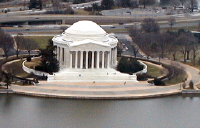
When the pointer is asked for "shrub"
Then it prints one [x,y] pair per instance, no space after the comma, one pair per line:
[142,77]
[158,82]
[66,11]
[129,65]
[28,59]
[191,85]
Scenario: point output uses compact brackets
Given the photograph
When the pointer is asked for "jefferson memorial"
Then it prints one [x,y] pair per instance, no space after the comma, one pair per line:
[86,53]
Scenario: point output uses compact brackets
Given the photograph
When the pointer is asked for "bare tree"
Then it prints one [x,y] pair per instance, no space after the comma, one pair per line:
[29,44]
[149,25]
[6,42]
[145,41]
[185,41]
[171,21]
[195,48]
[174,50]
[144,2]
[164,42]
[182,2]
[134,49]
[56,4]
[174,3]
[63,28]
[134,31]
[191,4]
[18,43]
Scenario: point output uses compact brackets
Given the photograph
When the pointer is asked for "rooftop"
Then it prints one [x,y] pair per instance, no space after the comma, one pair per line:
[85,28]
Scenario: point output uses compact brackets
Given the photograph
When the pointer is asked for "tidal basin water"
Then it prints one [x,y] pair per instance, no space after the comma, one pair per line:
[17,111]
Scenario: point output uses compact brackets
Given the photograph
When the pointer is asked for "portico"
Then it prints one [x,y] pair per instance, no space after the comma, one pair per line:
[87,59]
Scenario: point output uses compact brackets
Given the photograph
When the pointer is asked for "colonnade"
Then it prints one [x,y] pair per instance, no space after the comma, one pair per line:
[86,59]
[89,59]
[61,55]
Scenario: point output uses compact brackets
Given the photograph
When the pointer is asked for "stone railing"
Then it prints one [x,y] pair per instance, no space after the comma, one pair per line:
[29,70]
[144,70]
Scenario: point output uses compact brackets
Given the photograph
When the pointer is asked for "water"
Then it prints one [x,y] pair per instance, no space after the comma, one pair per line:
[18,111]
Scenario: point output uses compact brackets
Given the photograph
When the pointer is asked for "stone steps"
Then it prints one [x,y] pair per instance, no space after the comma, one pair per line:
[91,75]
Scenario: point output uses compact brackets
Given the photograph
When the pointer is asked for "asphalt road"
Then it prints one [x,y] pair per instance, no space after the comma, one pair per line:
[126,43]
[51,28]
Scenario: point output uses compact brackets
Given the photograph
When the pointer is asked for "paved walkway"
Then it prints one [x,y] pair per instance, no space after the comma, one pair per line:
[103,90]
[193,73]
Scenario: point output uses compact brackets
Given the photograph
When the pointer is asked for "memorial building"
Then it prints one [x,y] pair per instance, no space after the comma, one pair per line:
[86,53]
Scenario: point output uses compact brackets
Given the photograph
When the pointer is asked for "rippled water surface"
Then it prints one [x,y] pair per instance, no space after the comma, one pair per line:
[18,111]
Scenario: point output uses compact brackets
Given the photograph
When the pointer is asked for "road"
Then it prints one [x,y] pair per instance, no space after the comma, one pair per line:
[114,27]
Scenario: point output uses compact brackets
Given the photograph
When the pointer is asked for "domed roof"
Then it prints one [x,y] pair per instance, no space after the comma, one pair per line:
[85,28]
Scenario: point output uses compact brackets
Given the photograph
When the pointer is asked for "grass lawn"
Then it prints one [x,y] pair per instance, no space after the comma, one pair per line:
[117,30]
[33,63]
[176,79]
[153,70]
[16,69]
[41,40]
[192,28]
[81,12]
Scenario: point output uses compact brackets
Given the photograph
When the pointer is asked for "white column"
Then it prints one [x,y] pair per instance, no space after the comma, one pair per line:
[76,59]
[103,57]
[81,64]
[65,59]
[115,55]
[61,62]
[92,59]
[70,59]
[55,52]
[58,54]
[86,60]
[112,56]
[97,59]
[63,55]
[108,59]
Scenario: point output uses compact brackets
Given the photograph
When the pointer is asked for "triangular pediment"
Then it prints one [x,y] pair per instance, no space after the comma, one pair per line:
[89,45]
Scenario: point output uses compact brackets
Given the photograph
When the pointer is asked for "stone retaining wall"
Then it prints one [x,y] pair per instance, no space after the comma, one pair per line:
[144,69]
[29,70]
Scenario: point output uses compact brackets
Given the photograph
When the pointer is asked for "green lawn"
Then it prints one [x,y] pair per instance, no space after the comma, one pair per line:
[176,79]
[41,40]
[154,71]
[16,69]
[34,62]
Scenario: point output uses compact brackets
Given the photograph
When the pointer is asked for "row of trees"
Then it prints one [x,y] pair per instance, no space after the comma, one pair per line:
[9,45]
[37,4]
[108,4]
[57,6]
[22,43]
[191,4]
[162,44]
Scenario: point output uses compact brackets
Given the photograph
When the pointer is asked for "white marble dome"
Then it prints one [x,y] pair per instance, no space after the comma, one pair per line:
[85,28]
[84,32]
